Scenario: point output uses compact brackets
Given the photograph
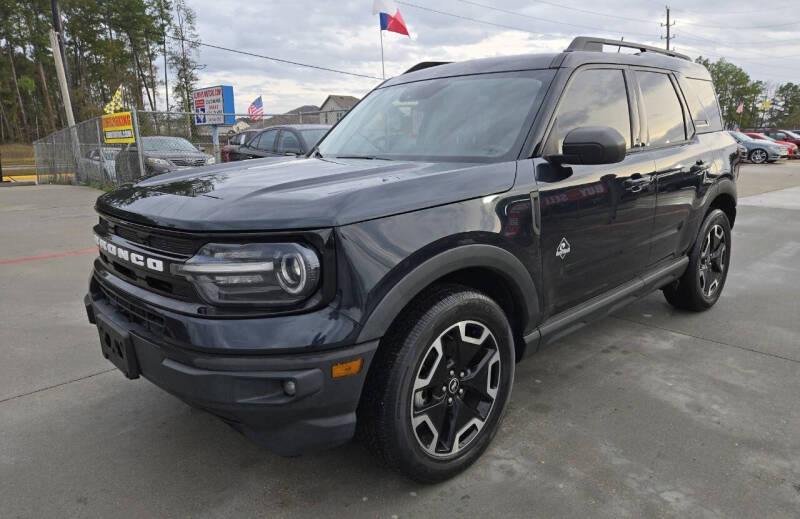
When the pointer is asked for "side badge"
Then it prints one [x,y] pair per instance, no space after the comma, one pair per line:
[563,248]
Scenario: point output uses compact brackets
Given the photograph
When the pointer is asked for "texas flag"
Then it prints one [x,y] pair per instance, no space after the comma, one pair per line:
[390,16]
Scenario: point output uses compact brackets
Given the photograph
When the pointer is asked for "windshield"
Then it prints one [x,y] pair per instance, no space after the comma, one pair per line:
[793,135]
[167,144]
[477,118]
[313,136]
[741,136]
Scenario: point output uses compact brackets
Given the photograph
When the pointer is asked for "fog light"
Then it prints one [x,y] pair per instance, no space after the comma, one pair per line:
[289,387]
[345,369]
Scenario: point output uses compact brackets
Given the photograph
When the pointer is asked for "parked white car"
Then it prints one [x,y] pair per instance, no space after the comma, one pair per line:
[99,164]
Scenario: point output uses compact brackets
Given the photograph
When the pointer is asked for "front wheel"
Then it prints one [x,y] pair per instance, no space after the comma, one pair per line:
[702,283]
[439,385]
[758,156]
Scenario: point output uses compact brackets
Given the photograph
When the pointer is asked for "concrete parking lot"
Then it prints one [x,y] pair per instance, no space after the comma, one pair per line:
[649,413]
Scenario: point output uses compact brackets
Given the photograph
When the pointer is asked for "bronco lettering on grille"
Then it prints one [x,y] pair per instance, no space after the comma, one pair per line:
[135,258]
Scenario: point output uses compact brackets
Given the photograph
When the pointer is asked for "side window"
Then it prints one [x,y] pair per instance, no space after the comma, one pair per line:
[703,105]
[594,97]
[266,141]
[663,109]
[288,143]
[778,136]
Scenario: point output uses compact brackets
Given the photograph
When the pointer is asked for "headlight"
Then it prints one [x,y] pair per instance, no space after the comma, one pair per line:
[269,274]
[211,160]
[157,162]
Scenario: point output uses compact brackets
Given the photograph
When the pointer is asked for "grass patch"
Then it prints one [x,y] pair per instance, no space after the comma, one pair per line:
[17,154]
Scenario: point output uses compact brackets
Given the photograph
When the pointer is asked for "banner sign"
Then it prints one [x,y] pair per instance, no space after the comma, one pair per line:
[210,103]
[118,128]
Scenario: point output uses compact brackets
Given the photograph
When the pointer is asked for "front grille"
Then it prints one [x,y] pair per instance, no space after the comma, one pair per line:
[133,312]
[188,162]
[170,245]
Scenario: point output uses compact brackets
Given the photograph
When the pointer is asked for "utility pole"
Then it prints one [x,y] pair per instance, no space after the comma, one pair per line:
[668,25]
[62,79]
[57,42]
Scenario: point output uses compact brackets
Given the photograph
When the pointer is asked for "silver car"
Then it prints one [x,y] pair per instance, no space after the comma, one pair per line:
[760,151]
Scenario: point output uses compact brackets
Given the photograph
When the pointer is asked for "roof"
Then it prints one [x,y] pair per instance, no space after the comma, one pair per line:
[342,100]
[296,127]
[575,56]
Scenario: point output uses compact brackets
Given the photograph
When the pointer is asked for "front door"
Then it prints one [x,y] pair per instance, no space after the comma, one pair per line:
[596,224]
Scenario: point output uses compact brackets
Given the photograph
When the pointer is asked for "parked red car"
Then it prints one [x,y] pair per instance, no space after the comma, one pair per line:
[782,135]
[793,154]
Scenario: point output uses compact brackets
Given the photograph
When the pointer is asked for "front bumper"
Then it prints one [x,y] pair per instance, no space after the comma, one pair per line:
[249,392]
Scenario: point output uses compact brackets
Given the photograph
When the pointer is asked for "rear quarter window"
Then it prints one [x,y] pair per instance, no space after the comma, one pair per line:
[703,105]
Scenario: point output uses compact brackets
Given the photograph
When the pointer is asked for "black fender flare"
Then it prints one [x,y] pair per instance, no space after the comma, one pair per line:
[491,257]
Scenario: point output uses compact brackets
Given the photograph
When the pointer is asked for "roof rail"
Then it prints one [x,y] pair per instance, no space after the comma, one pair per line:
[426,64]
[591,44]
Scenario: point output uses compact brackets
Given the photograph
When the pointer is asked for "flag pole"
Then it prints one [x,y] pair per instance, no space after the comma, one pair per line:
[383,67]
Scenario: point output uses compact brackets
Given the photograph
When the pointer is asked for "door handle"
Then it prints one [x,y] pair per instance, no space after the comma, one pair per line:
[637,182]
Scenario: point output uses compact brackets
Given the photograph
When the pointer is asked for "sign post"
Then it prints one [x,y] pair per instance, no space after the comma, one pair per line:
[213,106]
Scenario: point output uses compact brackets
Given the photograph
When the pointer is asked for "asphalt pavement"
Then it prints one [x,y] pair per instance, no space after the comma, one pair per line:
[652,412]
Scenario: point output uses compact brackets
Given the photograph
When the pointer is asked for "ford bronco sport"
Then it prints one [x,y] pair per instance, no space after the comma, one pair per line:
[458,218]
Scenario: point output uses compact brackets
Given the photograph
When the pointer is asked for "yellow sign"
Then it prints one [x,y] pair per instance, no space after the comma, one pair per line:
[118,128]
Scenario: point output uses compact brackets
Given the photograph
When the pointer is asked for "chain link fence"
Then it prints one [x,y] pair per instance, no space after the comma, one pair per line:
[165,141]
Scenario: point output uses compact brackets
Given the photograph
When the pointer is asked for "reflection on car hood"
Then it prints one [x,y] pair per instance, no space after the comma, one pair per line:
[190,155]
[290,193]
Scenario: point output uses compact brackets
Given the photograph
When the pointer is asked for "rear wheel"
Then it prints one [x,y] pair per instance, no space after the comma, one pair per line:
[758,156]
[702,283]
[438,387]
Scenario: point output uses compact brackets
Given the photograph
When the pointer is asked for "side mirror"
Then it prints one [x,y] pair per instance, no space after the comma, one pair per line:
[201,149]
[591,145]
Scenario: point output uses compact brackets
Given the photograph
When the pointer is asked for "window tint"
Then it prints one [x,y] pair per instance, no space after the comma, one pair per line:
[266,141]
[703,105]
[288,143]
[595,97]
[663,109]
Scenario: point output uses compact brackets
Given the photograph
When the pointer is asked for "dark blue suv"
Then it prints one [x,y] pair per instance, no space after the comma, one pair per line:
[459,217]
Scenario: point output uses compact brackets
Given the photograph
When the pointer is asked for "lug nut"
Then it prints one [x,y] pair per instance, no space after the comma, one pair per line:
[460,392]
[450,400]
[289,387]
[461,374]
[444,388]
[452,372]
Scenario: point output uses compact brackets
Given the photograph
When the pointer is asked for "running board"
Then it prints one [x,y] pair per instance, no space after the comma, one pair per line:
[600,306]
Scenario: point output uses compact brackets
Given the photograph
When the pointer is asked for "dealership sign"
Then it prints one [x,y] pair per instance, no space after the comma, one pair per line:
[211,103]
[118,128]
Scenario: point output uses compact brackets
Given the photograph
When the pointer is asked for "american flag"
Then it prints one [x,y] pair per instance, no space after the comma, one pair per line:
[256,109]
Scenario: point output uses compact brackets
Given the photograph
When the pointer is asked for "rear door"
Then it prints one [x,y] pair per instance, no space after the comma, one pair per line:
[596,223]
[684,163]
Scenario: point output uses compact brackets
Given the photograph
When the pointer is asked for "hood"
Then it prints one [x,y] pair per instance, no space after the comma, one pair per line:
[300,193]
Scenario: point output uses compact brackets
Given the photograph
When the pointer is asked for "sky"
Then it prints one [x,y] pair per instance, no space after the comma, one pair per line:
[344,35]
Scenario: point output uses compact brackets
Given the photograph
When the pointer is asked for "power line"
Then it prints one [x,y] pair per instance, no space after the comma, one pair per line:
[642,20]
[272,58]
[454,15]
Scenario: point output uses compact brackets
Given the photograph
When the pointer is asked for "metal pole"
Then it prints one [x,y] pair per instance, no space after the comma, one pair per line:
[667,28]
[1,168]
[98,125]
[215,140]
[383,67]
[135,120]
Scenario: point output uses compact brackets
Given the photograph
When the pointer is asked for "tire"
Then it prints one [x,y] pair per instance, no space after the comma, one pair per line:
[758,156]
[701,285]
[455,346]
